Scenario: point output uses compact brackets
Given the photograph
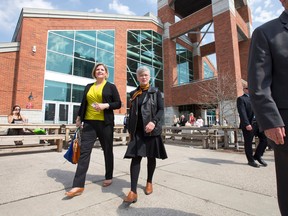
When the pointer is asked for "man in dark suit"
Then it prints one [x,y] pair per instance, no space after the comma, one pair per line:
[250,129]
[125,123]
[182,120]
[268,86]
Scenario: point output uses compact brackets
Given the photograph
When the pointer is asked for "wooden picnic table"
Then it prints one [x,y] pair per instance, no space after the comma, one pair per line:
[50,128]
[209,135]
[53,133]
[119,135]
[226,131]
[60,133]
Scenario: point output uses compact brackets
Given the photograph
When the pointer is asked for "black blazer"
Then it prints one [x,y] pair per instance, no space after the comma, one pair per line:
[245,111]
[110,95]
[268,72]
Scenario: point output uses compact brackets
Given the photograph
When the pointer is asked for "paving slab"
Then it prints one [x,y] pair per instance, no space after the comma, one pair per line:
[192,181]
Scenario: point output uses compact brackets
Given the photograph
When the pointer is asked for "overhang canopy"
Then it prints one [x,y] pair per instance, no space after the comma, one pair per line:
[184,8]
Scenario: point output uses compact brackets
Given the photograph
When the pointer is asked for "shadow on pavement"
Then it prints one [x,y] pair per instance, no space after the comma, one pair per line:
[127,209]
[66,178]
[215,161]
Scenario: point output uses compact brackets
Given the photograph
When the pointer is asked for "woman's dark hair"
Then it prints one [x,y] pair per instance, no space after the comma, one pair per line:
[16,106]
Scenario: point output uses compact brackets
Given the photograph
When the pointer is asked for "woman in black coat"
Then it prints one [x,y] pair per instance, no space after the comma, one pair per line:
[97,117]
[145,128]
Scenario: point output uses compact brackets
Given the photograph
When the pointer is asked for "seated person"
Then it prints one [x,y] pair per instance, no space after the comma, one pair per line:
[175,121]
[192,119]
[16,118]
[199,122]
[182,120]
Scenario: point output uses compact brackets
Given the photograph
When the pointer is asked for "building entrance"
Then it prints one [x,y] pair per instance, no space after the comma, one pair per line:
[60,112]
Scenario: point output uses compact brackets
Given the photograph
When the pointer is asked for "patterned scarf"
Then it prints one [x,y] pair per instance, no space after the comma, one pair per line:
[140,91]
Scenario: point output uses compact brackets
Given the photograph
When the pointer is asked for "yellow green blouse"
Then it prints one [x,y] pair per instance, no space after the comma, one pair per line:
[94,95]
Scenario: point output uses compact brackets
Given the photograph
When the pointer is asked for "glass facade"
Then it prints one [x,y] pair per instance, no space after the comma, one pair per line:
[208,73]
[184,59]
[65,92]
[144,48]
[75,52]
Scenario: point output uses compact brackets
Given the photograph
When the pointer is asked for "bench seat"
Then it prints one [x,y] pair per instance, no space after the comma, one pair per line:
[121,137]
[208,140]
[57,137]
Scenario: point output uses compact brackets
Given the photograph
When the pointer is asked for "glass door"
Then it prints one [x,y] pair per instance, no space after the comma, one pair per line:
[75,113]
[50,109]
[63,113]
[60,113]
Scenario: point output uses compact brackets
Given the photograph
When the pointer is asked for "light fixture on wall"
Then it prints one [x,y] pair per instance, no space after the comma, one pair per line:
[30,97]
[34,48]
[29,104]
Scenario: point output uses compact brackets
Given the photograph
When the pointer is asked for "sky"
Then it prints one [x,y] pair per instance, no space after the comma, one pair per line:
[262,10]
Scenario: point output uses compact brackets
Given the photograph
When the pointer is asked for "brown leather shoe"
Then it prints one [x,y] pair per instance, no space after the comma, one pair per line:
[131,198]
[74,192]
[149,188]
[107,183]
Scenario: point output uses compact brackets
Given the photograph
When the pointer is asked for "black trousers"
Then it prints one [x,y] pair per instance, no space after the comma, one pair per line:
[248,138]
[281,165]
[92,130]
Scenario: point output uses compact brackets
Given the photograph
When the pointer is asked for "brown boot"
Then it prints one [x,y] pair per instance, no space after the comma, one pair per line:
[131,198]
[149,188]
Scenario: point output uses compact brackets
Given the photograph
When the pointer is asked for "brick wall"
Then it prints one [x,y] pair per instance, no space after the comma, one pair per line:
[8,65]
[244,54]
[227,50]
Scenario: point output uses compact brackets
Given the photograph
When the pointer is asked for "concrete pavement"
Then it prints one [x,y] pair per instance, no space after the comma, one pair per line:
[191,181]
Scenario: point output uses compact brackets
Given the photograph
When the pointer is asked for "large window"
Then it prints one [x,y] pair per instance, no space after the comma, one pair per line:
[57,91]
[76,52]
[70,58]
[59,63]
[144,48]
[208,73]
[184,65]
[65,92]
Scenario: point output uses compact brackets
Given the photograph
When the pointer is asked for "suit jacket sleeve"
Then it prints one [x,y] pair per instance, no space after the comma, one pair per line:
[260,75]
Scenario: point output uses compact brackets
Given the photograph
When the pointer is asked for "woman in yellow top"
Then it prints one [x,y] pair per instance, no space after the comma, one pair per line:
[96,112]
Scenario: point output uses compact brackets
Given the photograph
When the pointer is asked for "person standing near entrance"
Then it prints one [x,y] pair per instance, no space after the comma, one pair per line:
[145,128]
[96,112]
[247,122]
[268,86]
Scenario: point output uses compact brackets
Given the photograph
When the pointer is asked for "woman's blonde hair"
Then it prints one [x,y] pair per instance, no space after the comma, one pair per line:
[94,68]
